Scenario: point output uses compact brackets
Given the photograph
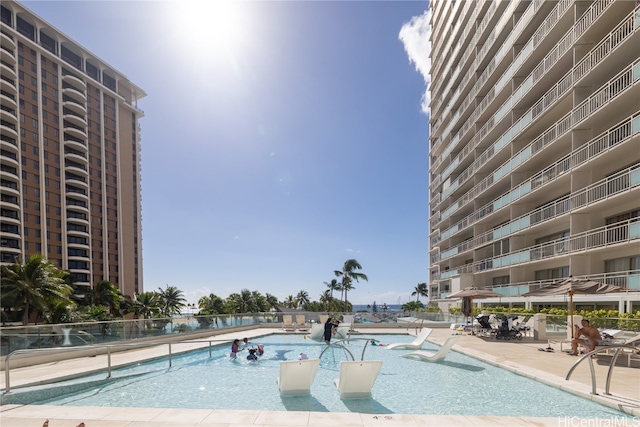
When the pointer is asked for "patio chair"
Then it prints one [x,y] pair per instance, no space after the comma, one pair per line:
[357,378]
[416,343]
[296,376]
[347,320]
[628,356]
[439,355]
[287,323]
[301,323]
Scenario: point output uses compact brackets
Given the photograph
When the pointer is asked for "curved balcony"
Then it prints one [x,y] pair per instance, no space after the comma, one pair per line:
[76,220]
[75,131]
[76,145]
[74,106]
[79,172]
[9,118]
[81,242]
[75,120]
[8,129]
[10,187]
[8,101]
[77,192]
[77,203]
[7,55]
[74,95]
[8,246]
[75,82]
[8,70]
[7,41]
[8,88]
[76,157]
[10,216]
[10,158]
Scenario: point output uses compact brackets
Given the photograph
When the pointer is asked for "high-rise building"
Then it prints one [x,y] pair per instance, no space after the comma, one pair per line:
[534,145]
[70,159]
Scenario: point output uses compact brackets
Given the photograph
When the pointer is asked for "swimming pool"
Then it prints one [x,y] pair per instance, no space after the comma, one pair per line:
[459,386]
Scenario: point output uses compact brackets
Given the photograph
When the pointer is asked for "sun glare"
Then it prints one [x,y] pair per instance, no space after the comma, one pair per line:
[214,25]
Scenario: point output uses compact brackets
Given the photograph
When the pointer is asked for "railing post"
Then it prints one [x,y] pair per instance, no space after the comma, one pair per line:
[209,349]
[108,362]
[169,354]
[7,386]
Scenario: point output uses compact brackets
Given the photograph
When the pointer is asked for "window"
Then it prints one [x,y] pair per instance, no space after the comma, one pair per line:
[552,273]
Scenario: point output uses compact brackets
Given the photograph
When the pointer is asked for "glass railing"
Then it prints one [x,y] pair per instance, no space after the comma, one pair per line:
[115,331]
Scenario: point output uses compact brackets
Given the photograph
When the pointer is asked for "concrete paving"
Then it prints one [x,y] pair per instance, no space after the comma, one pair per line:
[522,357]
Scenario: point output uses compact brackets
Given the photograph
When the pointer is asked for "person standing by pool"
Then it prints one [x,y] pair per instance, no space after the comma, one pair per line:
[235,348]
[328,331]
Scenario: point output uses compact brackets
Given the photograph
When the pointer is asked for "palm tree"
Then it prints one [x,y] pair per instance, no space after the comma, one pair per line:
[326,298]
[34,284]
[212,304]
[107,294]
[333,285]
[412,306]
[172,300]
[290,302]
[146,305]
[241,303]
[348,275]
[272,301]
[302,298]
[421,291]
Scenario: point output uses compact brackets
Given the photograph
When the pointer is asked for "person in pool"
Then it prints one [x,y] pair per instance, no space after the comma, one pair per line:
[260,349]
[252,357]
[328,331]
[235,348]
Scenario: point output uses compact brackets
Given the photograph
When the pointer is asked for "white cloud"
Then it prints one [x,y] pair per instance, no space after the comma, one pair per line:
[415,35]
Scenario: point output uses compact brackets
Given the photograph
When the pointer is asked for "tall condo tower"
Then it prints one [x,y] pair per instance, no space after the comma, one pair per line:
[534,144]
[70,159]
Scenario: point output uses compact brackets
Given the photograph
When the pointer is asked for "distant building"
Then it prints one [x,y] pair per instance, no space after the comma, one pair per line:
[534,147]
[70,159]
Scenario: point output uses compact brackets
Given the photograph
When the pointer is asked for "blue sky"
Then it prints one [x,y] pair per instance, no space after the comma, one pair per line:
[279,139]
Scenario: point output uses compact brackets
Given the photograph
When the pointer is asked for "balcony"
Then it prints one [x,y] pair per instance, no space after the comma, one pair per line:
[74,105]
[73,94]
[79,132]
[74,82]
[7,42]
[74,119]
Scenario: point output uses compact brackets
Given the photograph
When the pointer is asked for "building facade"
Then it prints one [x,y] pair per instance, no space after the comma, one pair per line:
[70,155]
[534,145]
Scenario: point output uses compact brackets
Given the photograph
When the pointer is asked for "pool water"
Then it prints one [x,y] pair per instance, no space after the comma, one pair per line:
[460,385]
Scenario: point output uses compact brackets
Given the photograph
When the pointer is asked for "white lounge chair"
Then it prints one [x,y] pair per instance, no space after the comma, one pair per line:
[287,323]
[317,332]
[347,320]
[416,343]
[296,376]
[439,355]
[323,318]
[301,322]
[357,378]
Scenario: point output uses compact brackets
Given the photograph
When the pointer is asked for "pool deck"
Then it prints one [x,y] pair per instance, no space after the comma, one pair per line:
[521,357]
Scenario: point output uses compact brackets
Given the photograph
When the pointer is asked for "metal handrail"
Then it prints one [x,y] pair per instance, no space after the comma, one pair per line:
[339,344]
[89,347]
[614,358]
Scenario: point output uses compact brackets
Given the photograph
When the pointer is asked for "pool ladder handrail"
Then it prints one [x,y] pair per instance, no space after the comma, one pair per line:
[612,363]
[7,366]
[340,344]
